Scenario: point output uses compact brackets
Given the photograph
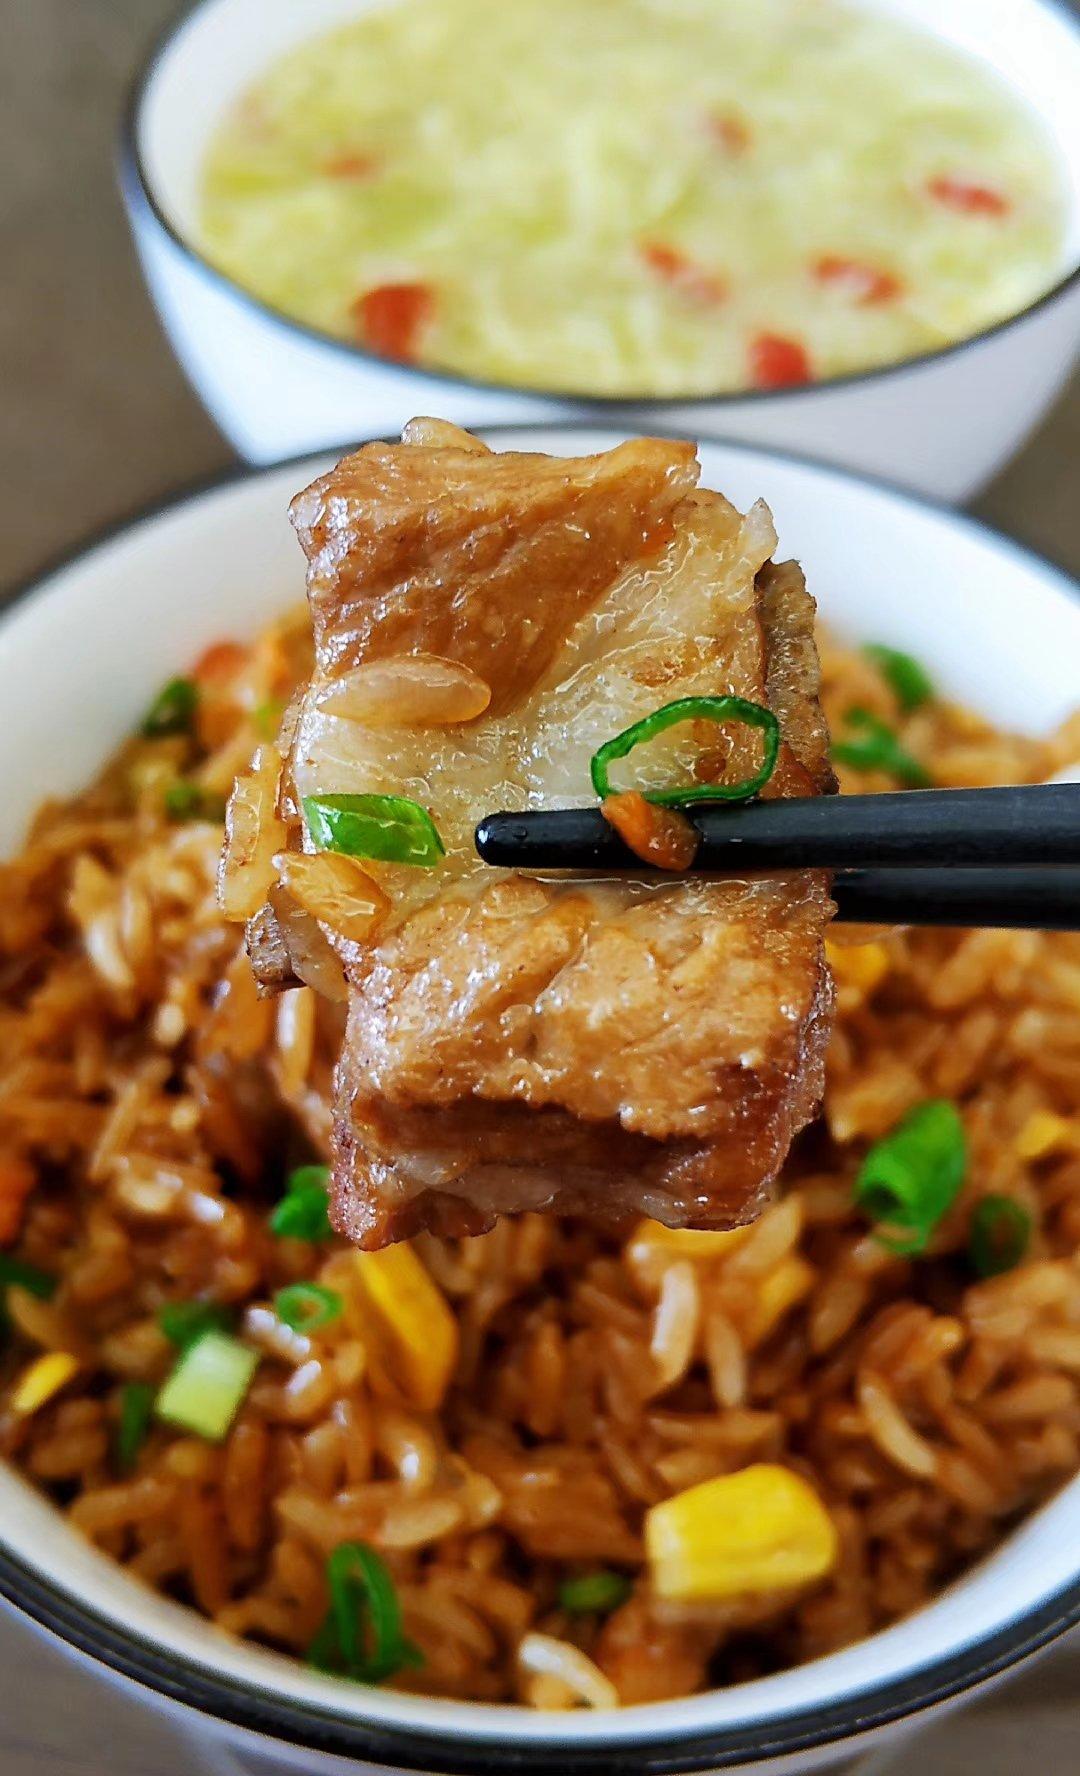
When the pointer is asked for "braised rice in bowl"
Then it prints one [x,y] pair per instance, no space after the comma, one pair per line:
[564,1382]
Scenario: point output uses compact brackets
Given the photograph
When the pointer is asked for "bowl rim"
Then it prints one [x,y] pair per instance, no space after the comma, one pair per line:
[139,193]
[310,1727]
[305,1724]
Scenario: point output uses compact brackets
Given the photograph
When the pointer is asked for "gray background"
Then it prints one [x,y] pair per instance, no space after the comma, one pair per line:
[96,420]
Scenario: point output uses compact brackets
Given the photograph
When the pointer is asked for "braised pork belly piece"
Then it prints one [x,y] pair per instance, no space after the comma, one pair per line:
[483,624]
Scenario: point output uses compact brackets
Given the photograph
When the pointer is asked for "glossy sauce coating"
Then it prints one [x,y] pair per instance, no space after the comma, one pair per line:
[515,1042]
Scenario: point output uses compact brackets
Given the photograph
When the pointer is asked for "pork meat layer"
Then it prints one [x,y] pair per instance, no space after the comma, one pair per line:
[636,1046]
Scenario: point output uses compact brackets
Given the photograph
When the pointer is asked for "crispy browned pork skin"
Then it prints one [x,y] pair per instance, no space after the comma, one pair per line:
[483,622]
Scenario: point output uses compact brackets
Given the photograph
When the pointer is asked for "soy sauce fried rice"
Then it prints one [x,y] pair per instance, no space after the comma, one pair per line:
[501,1429]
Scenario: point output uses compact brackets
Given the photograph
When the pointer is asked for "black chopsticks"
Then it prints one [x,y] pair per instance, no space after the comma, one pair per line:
[918,828]
[998,857]
[1032,899]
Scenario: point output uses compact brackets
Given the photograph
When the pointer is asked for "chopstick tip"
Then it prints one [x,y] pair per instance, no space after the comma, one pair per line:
[497,833]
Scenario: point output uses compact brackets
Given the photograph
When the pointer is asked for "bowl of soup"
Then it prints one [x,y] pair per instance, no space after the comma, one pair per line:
[847,228]
[906,1422]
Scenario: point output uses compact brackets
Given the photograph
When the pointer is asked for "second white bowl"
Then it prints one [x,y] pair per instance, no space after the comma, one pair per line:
[943,423]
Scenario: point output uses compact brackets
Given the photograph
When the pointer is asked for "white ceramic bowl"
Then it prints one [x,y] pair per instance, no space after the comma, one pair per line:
[943,423]
[79,659]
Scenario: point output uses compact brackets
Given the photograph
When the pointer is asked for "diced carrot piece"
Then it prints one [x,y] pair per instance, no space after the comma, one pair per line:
[665,260]
[660,836]
[865,284]
[970,198]
[729,131]
[216,672]
[676,269]
[391,317]
[350,166]
[17,1180]
[218,663]
[776,362]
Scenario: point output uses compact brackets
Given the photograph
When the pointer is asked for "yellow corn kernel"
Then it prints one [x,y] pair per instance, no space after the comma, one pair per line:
[421,1326]
[691,1242]
[861,966]
[777,1293]
[652,1246]
[762,1529]
[1042,1133]
[40,1380]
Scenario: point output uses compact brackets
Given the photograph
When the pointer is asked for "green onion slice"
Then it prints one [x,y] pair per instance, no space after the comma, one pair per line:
[999,1235]
[911,1178]
[14,1272]
[184,1321]
[136,1408]
[362,1634]
[598,1592]
[173,709]
[267,718]
[26,1276]
[302,1212]
[389,828]
[909,681]
[324,1653]
[307,1307]
[206,1388]
[714,709]
[869,744]
[184,800]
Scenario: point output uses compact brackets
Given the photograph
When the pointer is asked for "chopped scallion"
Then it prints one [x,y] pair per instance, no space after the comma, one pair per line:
[173,709]
[267,718]
[184,1321]
[362,1635]
[685,709]
[185,800]
[869,744]
[303,1212]
[909,681]
[324,1654]
[26,1276]
[182,800]
[999,1235]
[910,1179]
[307,1307]
[136,1408]
[207,1386]
[14,1272]
[594,1593]
[389,828]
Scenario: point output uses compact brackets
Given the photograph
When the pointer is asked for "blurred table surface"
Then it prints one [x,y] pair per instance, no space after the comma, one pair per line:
[95,421]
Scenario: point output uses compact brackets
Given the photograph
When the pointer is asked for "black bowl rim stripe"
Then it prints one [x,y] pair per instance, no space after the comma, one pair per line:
[257,1710]
[139,193]
[315,1728]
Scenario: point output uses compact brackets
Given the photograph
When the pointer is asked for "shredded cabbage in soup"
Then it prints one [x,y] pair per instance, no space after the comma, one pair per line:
[635,197]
